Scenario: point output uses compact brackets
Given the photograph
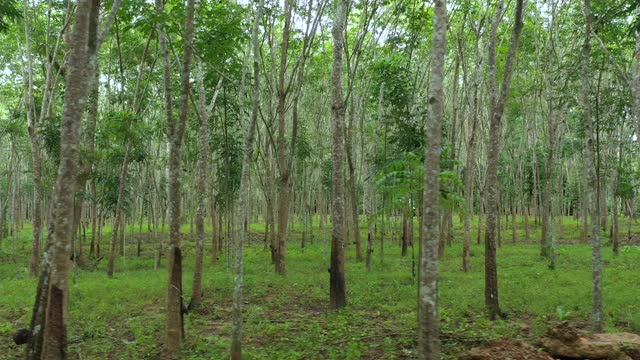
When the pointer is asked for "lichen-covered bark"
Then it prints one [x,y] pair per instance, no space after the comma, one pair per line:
[48,326]
[428,320]
[337,286]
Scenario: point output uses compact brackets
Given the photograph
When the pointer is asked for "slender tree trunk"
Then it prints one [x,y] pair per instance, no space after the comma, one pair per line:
[497,104]
[479,233]
[215,229]
[405,234]
[428,319]
[285,187]
[242,213]
[351,183]
[469,171]
[615,231]
[5,202]
[175,130]
[337,286]
[270,199]
[513,223]
[99,240]
[118,220]
[589,167]
[94,218]
[203,160]
[370,207]
[34,138]
[545,243]
[526,223]
[584,231]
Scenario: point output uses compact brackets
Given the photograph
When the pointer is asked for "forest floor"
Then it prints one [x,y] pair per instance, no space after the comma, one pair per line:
[288,318]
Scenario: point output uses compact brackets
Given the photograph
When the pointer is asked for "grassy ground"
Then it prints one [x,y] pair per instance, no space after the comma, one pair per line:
[288,317]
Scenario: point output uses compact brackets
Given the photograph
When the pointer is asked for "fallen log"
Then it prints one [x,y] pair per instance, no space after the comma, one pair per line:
[504,350]
[568,342]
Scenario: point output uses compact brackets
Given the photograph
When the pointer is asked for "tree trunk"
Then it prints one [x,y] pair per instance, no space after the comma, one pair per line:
[175,130]
[337,286]
[405,234]
[351,183]
[428,319]
[48,323]
[203,160]
[468,179]
[497,104]
[94,218]
[615,231]
[370,206]
[590,174]
[118,220]
[545,241]
[242,213]
[34,138]
[5,200]
[285,187]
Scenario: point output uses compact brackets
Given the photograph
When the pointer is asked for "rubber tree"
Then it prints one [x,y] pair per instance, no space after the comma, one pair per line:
[428,320]
[337,286]
[49,320]
[174,336]
[242,213]
[497,102]
[589,166]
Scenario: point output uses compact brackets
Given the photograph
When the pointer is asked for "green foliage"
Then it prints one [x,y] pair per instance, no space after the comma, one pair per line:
[13,127]
[627,182]
[9,11]
[403,181]
[50,134]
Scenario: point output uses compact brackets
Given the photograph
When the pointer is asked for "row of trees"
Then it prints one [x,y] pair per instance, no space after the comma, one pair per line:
[421,98]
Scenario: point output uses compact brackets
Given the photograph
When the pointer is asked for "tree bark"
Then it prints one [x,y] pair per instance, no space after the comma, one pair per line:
[242,208]
[592,179]
[34,138]
[471,157]
[282,158]
[175,129]
[428,319]
[351,184]
[204,114]
[48,323]
[545,243]
[337,286]
[496,110]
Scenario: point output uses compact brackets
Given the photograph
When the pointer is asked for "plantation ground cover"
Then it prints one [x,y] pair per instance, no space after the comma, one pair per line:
[288,317]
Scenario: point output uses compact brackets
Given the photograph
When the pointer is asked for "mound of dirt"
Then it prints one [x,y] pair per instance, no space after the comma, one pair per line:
[570,343]
[505,350]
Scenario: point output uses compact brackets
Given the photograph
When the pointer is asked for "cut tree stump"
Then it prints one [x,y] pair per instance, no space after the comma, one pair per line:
[568,342]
